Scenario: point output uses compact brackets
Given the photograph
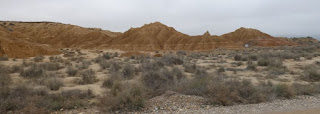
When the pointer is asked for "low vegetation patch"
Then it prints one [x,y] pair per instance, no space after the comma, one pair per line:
[34,71]
[312,73]
[128,98]
[54,83]
[88,77]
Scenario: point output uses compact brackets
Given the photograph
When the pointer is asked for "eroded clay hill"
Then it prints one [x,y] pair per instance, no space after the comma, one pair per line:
[43,38]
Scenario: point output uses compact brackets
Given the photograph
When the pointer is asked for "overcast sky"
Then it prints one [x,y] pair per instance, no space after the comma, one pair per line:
[193,17]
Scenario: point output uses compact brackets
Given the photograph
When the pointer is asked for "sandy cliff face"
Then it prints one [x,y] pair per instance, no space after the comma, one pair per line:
[38,38]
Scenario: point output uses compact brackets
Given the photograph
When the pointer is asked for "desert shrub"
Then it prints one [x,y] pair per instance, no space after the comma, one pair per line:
[253,57]
[196,86]
[54,83]
[151,66]
[98,59]
[128,71]
[56,59]
[230,92]
[38,59]
[276,67]
[264,62]
[171,60]
[83,65]
[277,71]
[221,69]
[88,77]
[106,56]
[114,66]
[5,79]
[4,58]
[190,68]
[284,91]
[104,64]
[276,63]
[15,69]
[108,83]
[4,69]
[238,58]
[155,81]
[180,53]
[158,81]
[179,75]
[13,99]
[312,73]
[251,66]
[303,89]
[33,71]
[79,94]
[239,63]
[65,100]
[71,71]
[50,66]
[131,98]
[201,73]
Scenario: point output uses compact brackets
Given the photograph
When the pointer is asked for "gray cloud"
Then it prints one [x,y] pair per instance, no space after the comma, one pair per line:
[194,17]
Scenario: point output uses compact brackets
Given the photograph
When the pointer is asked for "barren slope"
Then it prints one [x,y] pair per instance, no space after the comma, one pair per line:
[150,37]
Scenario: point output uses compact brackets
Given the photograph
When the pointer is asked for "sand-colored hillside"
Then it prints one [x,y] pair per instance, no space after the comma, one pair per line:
[155,36]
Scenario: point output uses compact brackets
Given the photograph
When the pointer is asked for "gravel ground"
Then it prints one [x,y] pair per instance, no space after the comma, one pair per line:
[174,103]
[301,104]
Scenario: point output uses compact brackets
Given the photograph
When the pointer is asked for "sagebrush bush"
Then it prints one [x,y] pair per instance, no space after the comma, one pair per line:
[65,100]
[284,91]
[108,83]
[238,58]
[171,60]
[128,71]
[160,80]
[88,77]
[105,64]
[179,75]
[312,73]
[264,62]
[303,89]
[130,98]
[276,67]
[251,66]
[56,59]
[50,66]
[34,71]
[71,71]
[4,58]
[190,68]
[106,56]
[83,65]
[38,59]
[196,86]
[221,69]
[4,69]
[180,53]
[5,79]
[15,69]
[200,73]
[54,83]
[114,67]
[155,81]
[253,57]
